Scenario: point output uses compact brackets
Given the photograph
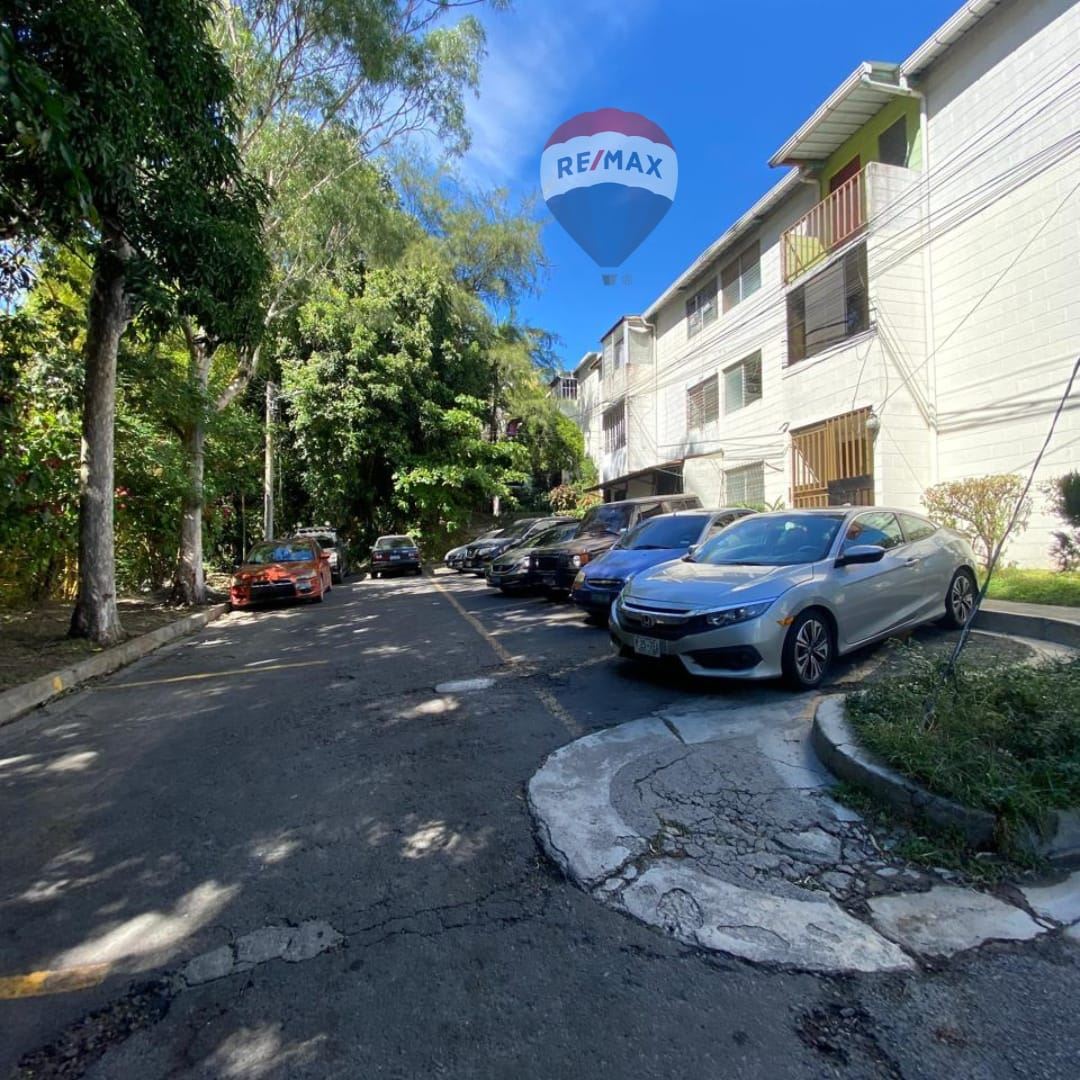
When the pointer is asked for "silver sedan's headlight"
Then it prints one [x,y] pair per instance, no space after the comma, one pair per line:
[730,616]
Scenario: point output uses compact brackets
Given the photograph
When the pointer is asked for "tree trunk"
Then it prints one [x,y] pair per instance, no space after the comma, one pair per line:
[189,582]
[95,615]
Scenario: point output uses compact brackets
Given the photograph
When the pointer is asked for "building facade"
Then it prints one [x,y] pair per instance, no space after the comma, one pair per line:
[902,308]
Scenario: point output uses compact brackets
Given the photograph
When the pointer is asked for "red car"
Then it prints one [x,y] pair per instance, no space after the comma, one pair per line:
[293,569]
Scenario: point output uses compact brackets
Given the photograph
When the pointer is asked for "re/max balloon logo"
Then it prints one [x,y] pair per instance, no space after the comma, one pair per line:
[609,177]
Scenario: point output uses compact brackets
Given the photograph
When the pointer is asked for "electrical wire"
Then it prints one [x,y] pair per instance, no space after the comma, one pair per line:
[965,632]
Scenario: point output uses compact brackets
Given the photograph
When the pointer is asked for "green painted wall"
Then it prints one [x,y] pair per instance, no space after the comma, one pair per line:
[864,141]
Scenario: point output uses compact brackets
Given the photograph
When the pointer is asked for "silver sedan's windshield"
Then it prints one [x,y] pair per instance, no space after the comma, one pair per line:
[772,540]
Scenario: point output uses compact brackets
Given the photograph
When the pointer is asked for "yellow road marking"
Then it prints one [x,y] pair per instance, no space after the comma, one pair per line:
[475,623]
[40,983]
[546,698]
[213,674]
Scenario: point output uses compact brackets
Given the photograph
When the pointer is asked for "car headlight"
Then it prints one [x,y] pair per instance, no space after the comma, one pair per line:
[307,575]
[579,560]
[730,616]
[579,580]
[524,563]
[238,580]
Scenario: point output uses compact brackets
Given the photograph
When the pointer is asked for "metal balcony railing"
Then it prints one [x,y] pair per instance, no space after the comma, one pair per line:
[835,220]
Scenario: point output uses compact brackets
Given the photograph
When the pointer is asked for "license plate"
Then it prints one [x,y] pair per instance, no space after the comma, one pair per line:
[646,646]
[547,579]
[394,558]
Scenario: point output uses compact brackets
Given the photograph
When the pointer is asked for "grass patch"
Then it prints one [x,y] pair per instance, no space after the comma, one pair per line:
[1004,739]
[1036,587]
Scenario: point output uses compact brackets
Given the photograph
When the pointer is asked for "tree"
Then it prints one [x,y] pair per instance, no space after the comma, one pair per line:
[150,179]
[980,507]
[325,87]
[1064,492]
[385,393]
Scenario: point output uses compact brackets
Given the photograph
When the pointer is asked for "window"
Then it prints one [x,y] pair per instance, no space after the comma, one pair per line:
[831,306]
[609,356]
[745,486]
[879,528]
[917,528]
[703,403]
[568,389]
[620,349]
[892,144]
[721,522]
[701,309]
[742,383]
[615,428]
[741,276]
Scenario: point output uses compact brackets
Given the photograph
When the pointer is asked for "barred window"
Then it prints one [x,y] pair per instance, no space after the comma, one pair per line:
[701,309]
[741,276]
[703,403]
[614,424]
[745,486]
[742,383]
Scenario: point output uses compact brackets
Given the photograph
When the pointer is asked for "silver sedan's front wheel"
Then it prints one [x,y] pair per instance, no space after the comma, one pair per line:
[960,599]
[808,650]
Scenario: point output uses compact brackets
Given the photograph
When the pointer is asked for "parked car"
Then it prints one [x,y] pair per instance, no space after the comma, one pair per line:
[455,557]
[511,570]
[293,569]
[557,565]
[479,556]
[654,541]
[333,546]
[395,554]
[784,593]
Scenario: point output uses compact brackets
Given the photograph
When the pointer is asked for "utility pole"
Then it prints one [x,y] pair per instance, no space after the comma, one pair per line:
[268,466]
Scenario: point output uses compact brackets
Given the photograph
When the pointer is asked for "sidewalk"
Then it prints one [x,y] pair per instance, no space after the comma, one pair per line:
[718,827]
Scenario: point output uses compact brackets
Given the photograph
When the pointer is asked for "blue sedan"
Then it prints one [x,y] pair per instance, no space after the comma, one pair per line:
[659,539]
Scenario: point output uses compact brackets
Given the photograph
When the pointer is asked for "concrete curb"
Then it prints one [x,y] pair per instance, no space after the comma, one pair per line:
[834,742]
[21,699]
[1031,625]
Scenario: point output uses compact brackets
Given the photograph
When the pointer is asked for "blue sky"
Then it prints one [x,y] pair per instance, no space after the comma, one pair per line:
[728,82]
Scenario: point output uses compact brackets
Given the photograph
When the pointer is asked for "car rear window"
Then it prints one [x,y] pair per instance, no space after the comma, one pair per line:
[326,541]
[666,532]
[263,554]
[917,528]
[385,542]
[609,518]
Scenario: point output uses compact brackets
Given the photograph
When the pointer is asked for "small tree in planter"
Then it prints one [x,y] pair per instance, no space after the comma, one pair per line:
[979,507]
[1064,494]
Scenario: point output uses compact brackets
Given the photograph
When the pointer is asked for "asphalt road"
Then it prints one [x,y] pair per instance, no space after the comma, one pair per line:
[297,764]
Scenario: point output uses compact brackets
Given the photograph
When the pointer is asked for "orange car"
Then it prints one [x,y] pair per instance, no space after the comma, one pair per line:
[293,569]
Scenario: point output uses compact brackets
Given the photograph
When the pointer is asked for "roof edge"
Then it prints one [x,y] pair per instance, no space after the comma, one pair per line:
[767,202]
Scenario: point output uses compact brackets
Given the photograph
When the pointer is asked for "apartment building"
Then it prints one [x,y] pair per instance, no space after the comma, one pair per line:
[902,307]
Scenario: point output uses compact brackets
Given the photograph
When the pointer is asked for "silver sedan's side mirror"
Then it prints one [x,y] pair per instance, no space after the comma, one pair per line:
[859,554]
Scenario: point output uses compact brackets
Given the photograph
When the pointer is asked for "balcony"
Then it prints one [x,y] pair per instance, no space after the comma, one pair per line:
[833,222]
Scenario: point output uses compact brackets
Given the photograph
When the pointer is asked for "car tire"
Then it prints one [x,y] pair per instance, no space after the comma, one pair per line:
[374,574]
[808,650]
[596,618]
[336,578]
[960,599]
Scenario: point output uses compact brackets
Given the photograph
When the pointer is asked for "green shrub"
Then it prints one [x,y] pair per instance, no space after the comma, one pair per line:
[979,507]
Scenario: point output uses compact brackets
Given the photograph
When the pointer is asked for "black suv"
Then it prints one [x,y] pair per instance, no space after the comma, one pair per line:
[555,567]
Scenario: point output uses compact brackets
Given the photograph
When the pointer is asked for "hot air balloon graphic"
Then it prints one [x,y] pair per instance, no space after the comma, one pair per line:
[609,176]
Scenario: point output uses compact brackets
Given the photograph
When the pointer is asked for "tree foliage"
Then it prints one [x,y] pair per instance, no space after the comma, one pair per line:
[386,401]
[980,507]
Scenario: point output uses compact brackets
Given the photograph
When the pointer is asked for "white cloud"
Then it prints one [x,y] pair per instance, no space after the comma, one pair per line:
[536,61]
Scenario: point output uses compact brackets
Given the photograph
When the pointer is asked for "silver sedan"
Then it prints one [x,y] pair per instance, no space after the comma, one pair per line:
[784,593]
